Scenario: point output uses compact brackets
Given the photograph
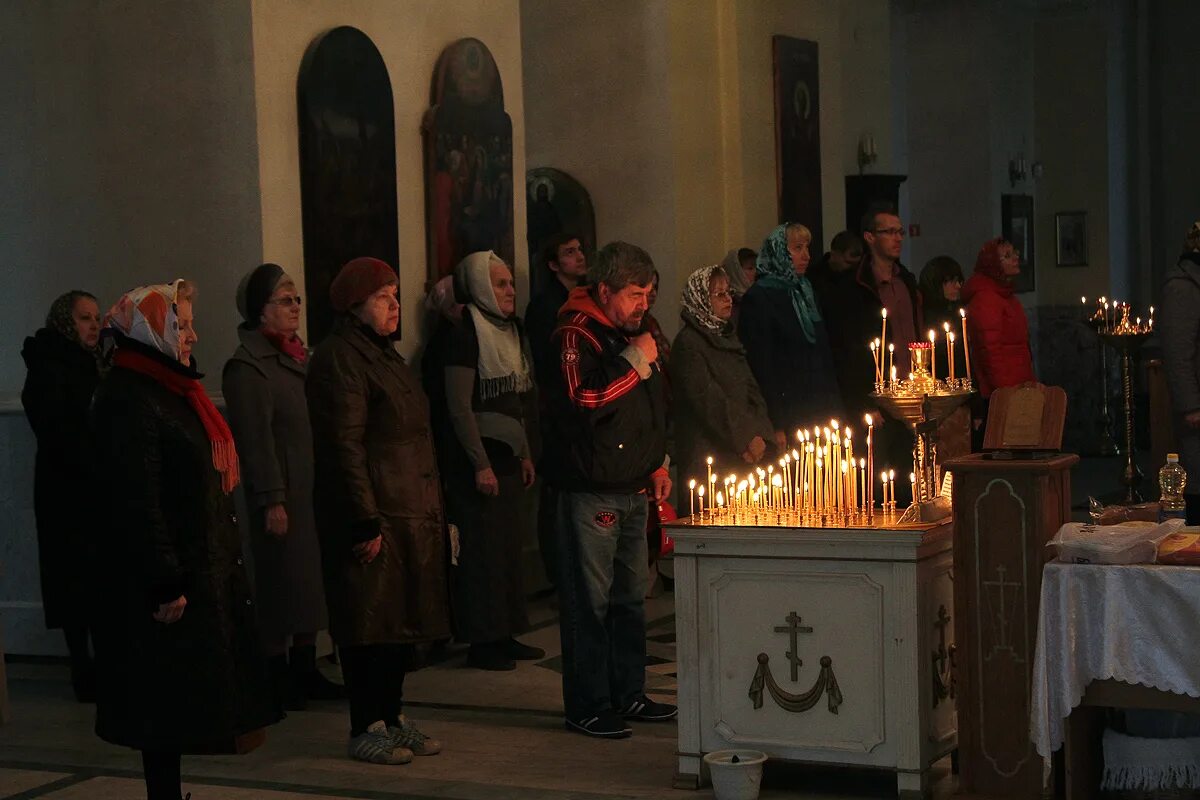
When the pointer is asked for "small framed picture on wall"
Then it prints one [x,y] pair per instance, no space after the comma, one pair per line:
[1070,232]
[1016,225]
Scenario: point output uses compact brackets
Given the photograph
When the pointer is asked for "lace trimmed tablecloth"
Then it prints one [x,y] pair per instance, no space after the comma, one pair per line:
[1138,623]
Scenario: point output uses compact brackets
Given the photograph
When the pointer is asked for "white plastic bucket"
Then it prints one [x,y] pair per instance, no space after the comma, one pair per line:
[736,780]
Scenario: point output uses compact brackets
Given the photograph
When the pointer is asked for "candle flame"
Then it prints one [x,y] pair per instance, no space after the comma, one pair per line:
[883,312]
[962,312]
[692,483]
[891,348]
[891,474]
[946,327]
[709,460]
[700,492]
[868,419]
[951,335]
[912,477]
[862,463]
[932,335]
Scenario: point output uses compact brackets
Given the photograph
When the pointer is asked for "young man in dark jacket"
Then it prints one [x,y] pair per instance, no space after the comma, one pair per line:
[607,457]
[565,268]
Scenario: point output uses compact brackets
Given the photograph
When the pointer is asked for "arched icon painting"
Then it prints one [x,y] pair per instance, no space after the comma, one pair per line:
[467,138]
[347,164]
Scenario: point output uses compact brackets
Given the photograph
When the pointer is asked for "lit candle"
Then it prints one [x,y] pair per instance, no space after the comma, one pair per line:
[894,376]
[912,485]
[891,355]
[875,357]
[700,494]
[933,354]
[892,487]
[870,464]
[962,312]
[949,350]
[692,490]
[863,484]
[709,461]
[883,484]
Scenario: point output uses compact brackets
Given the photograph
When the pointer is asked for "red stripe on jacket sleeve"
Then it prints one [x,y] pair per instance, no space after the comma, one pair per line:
[582,396]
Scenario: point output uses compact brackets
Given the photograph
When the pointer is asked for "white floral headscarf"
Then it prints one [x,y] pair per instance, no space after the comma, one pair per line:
[697,304]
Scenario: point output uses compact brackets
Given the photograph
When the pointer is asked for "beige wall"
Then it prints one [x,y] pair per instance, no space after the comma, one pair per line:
[410,36]
[128,158]
[665,112]
[1070,51]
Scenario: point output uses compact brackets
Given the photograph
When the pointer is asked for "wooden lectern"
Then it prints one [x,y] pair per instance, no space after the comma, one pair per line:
[1008,501]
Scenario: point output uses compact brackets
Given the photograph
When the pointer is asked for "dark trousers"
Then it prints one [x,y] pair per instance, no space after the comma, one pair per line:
[374,676]
[547,529]
[601,586]
[162,775]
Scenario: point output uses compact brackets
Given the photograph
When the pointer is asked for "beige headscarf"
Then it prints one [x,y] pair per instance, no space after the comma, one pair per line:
[502,364]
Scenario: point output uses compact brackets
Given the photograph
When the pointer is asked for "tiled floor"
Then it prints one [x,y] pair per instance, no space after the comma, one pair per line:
[503,739]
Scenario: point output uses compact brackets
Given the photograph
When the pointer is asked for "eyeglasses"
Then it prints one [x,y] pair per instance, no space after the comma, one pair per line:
[286,302]
[889,232]
[725,295]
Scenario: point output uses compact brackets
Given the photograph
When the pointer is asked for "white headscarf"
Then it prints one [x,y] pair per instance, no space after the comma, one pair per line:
[502,364]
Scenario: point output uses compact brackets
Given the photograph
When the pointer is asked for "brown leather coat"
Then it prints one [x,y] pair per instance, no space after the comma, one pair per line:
[376,474]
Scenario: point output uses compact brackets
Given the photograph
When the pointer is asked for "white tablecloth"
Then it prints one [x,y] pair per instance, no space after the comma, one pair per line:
[1136,623]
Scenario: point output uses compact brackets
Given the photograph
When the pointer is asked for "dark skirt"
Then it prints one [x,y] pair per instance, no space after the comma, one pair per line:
[487,586]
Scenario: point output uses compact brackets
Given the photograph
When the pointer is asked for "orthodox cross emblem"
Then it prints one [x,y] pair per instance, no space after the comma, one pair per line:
[793,628]
[997,593]
[763,682]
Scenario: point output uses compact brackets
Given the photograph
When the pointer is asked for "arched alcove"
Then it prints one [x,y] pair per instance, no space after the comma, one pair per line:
[347,163]
[468,159]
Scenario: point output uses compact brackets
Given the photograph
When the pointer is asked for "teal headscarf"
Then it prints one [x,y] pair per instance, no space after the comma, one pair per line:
[775,270]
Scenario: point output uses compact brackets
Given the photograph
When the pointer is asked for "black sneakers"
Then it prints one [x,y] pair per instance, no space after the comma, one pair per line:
[605,725]
[646,710]
[523,652]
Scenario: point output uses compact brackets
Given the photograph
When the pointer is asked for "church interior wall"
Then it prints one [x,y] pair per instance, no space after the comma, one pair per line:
[1174,86]
[673,135]
[410,37]
[130,158]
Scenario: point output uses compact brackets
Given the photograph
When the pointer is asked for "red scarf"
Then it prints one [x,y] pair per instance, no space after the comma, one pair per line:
[287,343]
[224,454]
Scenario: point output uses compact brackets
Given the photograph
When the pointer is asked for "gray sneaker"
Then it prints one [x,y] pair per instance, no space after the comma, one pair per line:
[407,736]
[377,746]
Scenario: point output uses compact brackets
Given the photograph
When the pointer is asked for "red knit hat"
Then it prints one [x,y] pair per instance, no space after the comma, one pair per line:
[357,280]
[988,261]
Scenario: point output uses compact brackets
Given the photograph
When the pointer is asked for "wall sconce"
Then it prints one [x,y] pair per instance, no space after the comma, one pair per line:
[867,154]
[1017,169]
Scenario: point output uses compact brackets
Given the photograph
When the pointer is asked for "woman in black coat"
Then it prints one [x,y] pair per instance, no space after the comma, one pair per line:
[178,663]
[787,343]
[62,363]
[488,386]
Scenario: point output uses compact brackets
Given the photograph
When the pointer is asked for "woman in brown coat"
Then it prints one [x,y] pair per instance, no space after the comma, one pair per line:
[378,508]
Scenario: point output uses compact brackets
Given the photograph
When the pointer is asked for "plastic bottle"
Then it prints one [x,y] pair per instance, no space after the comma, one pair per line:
[1171,480]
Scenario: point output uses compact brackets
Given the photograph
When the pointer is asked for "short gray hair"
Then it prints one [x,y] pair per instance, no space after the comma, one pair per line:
[619,264]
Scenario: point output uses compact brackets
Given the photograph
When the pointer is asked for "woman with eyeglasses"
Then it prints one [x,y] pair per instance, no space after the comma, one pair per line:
[941,285]
[727,417]
[999,331]
[263,384]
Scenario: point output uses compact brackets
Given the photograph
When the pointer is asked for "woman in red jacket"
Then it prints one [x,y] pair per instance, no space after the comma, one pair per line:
[1000,354]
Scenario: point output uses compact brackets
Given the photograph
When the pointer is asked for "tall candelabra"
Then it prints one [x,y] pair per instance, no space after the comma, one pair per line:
[1128,345]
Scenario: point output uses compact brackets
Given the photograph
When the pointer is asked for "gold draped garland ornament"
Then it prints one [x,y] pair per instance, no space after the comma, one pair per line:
[796,703]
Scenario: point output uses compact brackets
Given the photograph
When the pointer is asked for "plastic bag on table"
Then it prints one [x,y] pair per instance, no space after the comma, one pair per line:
[1115,515]
[1133,542]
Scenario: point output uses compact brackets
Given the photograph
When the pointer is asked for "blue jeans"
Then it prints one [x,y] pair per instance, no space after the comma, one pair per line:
[602,582]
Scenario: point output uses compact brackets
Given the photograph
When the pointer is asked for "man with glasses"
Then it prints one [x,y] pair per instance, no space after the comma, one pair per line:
[853,304]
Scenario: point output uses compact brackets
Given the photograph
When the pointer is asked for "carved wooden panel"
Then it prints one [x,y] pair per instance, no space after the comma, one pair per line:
[1004,514]
[839,616]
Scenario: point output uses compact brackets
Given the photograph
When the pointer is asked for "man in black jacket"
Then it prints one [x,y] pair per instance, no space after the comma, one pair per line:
[607,457]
